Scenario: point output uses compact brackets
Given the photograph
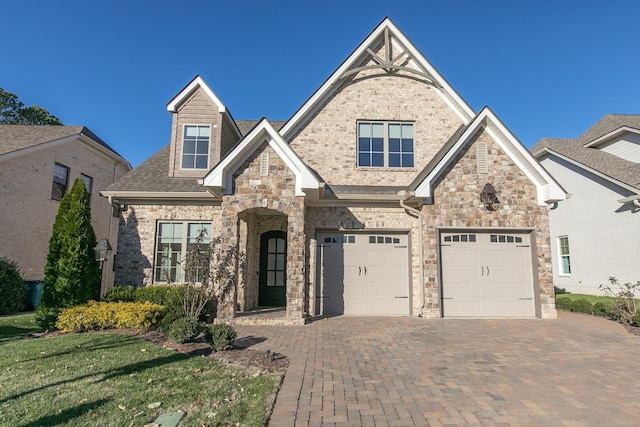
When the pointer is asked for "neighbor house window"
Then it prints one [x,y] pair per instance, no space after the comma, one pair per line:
[174,240]
[60,181]
[565,260]
[88,184]
[385,144]
[195,147]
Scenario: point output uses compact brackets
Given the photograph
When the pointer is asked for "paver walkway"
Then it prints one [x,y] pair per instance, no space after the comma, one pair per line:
[395,371]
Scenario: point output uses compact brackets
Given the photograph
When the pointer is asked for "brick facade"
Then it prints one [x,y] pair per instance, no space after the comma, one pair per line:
[264,197]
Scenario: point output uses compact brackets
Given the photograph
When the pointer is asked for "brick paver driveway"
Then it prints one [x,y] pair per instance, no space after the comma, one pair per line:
[382,371]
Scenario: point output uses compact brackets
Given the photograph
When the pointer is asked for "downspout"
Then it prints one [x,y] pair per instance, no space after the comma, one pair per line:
[636,202]
[406,195]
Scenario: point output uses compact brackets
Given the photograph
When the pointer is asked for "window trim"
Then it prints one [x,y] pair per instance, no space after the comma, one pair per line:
[184,129]
[90,190]
[54,182]
[180,273]
[561,271]
[386,153]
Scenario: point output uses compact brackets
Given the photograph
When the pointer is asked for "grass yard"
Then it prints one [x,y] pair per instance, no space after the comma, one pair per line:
[591,298]
[116,380]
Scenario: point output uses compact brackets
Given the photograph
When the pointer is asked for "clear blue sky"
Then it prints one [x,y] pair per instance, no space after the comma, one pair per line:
[546,68]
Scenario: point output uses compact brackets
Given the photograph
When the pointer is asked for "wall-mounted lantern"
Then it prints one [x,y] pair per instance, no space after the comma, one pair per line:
[488,197]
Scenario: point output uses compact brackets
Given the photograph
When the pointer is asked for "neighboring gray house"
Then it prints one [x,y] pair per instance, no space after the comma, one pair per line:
[367,201]
[38,164]
[595,234]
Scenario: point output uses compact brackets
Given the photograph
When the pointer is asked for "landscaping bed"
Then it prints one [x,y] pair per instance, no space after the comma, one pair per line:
[128,378]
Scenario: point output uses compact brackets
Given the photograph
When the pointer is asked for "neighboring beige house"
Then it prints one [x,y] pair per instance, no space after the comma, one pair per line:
[367,201]
[596,233]
[37,165]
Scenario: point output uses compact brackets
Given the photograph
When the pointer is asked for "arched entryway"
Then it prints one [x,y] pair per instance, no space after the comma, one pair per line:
[273,269]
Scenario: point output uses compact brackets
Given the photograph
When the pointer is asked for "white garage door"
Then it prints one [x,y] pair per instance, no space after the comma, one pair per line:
[363,274]
[486,275]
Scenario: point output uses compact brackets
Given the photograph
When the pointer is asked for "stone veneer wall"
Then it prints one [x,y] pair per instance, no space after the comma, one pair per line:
[137,237]
[275,192]
[457,204]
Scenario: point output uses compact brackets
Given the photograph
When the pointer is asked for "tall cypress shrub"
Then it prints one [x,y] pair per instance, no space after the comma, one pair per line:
[71,275]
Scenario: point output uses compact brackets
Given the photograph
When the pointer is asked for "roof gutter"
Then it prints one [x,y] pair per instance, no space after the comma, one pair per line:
[633,199]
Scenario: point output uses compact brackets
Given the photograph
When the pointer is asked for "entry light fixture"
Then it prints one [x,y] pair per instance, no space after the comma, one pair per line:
[103,250]
[488,197]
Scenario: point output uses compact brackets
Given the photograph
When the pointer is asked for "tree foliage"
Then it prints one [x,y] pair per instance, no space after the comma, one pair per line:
[14,112]
[12,288]
[71,275]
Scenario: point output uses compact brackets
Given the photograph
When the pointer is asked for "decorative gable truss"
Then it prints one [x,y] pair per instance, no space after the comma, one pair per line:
[549,191]
[395,54]
[219,180]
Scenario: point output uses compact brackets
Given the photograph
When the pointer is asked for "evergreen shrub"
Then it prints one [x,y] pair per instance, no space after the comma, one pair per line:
[13,291]
[108,315]
[184,329]
[220,336]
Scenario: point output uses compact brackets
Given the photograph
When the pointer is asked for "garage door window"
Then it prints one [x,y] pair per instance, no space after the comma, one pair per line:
[505,238]
[341,238]
[471,238]
[383,239]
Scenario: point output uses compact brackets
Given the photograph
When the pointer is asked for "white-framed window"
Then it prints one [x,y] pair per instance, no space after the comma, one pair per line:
[565,259]
[385,144]
[60,181]
[88,184]
[195,147]
[173,240]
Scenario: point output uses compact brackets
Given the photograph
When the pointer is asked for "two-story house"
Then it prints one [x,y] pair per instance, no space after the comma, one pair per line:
[38,164]
[595,234]
[376,197]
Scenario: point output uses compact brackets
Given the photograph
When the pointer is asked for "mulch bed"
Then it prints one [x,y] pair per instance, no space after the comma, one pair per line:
[240,354]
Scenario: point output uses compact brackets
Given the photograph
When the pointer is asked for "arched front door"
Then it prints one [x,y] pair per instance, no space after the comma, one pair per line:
[273,269]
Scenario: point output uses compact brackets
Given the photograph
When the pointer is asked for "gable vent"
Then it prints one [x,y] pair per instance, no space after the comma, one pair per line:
[264,164]
[481,157]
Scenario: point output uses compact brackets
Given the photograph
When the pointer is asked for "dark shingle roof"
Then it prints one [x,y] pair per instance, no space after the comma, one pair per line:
[608,164]
[18,137]
[152,175]
[245,126]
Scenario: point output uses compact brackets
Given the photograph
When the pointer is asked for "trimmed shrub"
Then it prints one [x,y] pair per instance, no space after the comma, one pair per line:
[581,305]
[106,315]
[220,336]
[184,329]
[564,303]
[602,309]
[120,294]
[13,291]
[46,317]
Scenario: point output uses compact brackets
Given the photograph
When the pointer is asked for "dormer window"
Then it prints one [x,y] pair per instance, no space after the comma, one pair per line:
[195,147]
[385,144]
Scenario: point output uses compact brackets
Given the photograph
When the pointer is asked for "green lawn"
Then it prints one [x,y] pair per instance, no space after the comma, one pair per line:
[110,380]
[591,298]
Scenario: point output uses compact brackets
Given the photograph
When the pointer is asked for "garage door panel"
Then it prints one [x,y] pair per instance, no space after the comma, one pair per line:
[365,274]
[512,256]
[386,306]
[487,276]
[462,290]
[462,256]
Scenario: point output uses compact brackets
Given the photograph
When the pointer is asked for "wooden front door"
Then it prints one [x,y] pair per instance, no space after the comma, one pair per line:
[273,269]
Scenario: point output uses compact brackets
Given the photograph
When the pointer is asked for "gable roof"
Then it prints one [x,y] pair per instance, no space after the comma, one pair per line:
[220,179]
[548,190]
[581,151]
[409,59]
[16,140]
[196,83]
